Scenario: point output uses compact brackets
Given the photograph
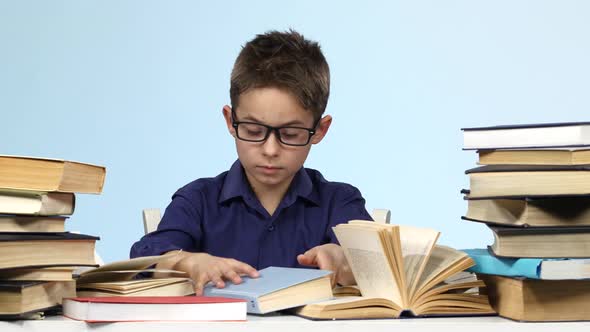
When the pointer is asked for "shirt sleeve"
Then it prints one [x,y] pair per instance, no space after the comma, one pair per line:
[349,206]
[180,228]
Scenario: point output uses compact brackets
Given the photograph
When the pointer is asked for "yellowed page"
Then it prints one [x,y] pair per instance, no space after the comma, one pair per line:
[364,251]
[416,245]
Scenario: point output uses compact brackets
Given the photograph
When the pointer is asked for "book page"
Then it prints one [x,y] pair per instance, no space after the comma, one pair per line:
[441,258]
[416,245]
[364,251]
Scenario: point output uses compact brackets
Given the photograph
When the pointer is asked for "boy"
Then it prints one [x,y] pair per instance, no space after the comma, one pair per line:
[267,210]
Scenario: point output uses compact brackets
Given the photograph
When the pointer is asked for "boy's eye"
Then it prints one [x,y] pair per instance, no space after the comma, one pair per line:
[291,132]
[253,130]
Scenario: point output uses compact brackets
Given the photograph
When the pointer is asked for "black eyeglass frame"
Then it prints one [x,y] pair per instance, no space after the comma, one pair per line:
[270,129]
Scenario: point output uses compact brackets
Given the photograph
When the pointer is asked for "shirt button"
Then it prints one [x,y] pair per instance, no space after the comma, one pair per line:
[271,228]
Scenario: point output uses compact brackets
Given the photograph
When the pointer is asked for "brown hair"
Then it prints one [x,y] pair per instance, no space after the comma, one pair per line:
[284,60]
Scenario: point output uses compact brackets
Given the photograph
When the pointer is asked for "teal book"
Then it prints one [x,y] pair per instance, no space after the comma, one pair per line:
[278,288]
[532,268]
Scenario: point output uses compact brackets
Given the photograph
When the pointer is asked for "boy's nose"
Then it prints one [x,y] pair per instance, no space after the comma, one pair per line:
[271,146]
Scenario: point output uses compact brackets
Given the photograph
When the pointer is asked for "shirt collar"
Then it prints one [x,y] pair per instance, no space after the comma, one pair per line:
[236,185]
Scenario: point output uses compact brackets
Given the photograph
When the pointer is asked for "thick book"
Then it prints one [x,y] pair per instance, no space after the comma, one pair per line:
[20,250]
[38,274]
[539,300]
[528,180]
[555,211]
[532,268]
[541,242]
[49,175]
[37,203]
[572,156]
[120,279]
[20,297]
[123,270]
[140,287]
[278,288]
[543,135]
[401,269]
[34,224]
[156,308]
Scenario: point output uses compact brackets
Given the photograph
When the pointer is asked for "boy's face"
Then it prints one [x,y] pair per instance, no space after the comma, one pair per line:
[271,165]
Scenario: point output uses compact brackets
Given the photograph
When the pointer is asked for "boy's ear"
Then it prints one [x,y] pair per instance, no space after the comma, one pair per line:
[322,129]
[228,120]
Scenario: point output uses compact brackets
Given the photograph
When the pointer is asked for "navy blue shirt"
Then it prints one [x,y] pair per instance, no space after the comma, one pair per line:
[223,217]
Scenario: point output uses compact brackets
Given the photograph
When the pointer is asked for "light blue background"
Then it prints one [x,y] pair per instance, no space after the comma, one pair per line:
[138,86]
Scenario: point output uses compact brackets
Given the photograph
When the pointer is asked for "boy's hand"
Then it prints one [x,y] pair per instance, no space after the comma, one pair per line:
[203,268]
[329,257]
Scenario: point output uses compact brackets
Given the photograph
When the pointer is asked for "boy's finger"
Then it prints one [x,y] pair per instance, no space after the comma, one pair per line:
[215,277]
[200,284]
[232,275]
[244,268]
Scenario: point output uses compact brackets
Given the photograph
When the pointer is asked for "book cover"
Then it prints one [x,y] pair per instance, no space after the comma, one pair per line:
[270,281]
[539,300]
[546,135]
[50,175]
[154,308]
[532,268]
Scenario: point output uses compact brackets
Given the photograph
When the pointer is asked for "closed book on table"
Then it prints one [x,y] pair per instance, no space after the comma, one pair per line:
[20,297]
[158,308]
[499,181]
[48,175]
[541,242]
[550,156]
[21,250]
[278,288]
[37,203]
[60,273]
[542,135]
[554,211]
[532,268]
[539,300]
[32,224]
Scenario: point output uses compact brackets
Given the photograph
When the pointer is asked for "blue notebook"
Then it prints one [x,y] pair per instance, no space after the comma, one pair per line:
[278,288]
[532,268]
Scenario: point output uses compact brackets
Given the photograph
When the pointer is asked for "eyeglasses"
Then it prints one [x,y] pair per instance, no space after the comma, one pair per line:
[258,132]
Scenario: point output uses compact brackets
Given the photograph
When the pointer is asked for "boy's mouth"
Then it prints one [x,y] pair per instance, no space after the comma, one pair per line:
[269,169]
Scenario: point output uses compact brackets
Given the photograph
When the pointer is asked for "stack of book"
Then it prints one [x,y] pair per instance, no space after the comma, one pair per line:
[37,255]
[533,192]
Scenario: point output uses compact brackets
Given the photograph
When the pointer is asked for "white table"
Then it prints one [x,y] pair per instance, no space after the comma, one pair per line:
[297,324]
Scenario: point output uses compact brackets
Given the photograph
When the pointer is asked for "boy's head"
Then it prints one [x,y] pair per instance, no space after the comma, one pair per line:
[279,90]
[284,60]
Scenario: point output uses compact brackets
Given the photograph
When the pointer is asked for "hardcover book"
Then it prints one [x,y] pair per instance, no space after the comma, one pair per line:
[528,180]
[543,135]
[20,250]
[557,211]
[539,300]
[36,203]
[49,175]
[20,297]
[156,308]
[541,242]
[552,156]
[278,288]
[531,268]
[32,224]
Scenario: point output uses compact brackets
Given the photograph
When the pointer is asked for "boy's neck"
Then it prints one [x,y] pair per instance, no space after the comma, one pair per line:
[270,196]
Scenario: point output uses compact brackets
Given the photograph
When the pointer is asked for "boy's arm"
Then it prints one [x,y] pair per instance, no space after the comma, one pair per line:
[203,268]
[350,205]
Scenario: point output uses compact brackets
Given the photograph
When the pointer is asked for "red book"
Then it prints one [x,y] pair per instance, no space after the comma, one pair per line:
[154,308]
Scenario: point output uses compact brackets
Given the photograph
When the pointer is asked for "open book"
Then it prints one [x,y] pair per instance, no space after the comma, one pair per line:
[401,269]
[117,279]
